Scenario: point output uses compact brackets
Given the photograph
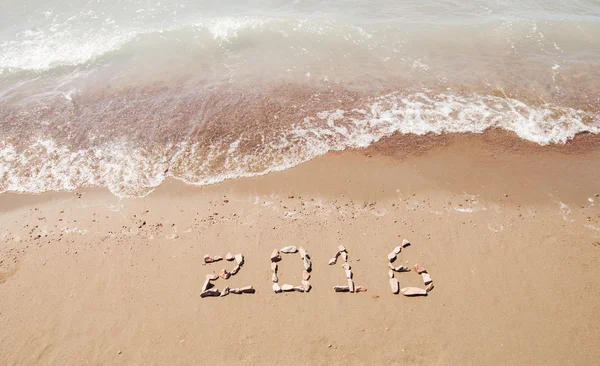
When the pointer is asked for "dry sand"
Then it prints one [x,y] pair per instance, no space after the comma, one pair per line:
[510,236]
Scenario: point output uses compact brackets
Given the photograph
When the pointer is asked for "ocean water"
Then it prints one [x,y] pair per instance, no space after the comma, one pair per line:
[124,94]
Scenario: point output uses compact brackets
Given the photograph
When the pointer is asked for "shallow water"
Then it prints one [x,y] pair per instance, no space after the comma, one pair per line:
[126,93]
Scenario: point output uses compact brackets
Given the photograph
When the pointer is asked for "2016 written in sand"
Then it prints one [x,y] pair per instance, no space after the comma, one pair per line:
[209,289]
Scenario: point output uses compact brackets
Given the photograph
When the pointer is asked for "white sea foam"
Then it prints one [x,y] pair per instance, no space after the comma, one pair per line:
[131,171]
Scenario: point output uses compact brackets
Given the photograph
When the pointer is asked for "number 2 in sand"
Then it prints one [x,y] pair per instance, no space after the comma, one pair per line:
[208,288]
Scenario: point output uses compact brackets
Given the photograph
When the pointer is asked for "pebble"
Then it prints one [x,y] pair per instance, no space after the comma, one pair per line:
[419,269]
[290,249]
[402,269]
[275,256]
[247,290]
[299,288]
[391,273]
[239,258]
[346,266]
[274,277]
[344,256]
[236,270]
[341,288]
[302,252]
[348,274]
[350,285]
[341,248]
[413,291]
[276,288]
[229,257]
[205,286]
[360,289]
[208,259]
[212,277]
[305,275]
[210,292]
[287,288]
[405,243]
[225,274]
[391,257]
[225,291]
[426,278]
[236,291]
[306,285]
[307,263]
[273,266]
[429,287]
[397,249]
[394,285]
[217,258]
[332,261]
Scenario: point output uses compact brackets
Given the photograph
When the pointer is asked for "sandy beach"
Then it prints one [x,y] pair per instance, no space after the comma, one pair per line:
[509,232]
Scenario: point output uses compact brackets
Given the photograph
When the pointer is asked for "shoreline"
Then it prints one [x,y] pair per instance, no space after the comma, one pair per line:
[508,236]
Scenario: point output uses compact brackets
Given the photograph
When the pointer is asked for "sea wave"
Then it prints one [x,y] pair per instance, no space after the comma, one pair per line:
[133,170]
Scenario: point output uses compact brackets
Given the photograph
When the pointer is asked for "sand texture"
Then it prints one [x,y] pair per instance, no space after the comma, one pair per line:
[510,237]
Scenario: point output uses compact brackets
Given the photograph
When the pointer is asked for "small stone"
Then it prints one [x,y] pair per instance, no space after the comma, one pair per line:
[391,266]
[225,291]
[229,257]
[391,257]
[239,258]
[274,277]
[302,252]
[332,261]
[275,256]
[348,274]
[236,291]
[341,248]
[205,286]
[236,270]
[429,287]
[307,263]
[391,273]
[346,266]
[299,288]
[276,288]
[402,269]
[217,258]
[247,290]
[273,266]
[337,255]
[413,291]
[394,285]
[344,256]
[225,274]
[288,250]
[419,269]
[350,285]
[287,288]
[212,277]
[397,249]
[341,288]
[208,259]
[360,289]
[426,278]
[210,292]
[405,243]
[306,285]
[305,275]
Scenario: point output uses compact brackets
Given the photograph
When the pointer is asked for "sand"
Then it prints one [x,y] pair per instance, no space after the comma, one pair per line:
[510,235]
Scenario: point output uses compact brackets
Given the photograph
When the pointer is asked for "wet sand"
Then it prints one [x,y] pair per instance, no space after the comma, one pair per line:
[509,232]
